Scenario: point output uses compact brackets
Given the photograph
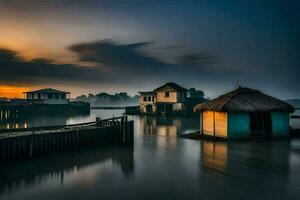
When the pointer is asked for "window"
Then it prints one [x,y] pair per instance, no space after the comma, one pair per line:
[145,98]
[149,98]
[167,94]
[39,95]
[49,96]
[56,96]
[153,98]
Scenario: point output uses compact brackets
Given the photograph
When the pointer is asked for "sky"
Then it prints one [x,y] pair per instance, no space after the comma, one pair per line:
[92,46]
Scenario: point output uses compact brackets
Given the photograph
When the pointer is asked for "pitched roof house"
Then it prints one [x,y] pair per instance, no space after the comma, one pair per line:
[47,96]
[165,99]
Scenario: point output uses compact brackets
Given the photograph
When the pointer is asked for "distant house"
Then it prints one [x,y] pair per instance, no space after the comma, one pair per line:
[166,99]
[244,113]
[48,96]
[148,102]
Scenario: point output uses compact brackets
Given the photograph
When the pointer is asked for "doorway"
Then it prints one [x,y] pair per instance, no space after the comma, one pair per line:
[165,108]
[149,109]
[260,124]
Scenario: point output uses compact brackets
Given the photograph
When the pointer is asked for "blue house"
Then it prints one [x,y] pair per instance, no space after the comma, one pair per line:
[244,113]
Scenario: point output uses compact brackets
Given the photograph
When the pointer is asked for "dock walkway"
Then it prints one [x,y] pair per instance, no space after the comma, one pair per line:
[30,142]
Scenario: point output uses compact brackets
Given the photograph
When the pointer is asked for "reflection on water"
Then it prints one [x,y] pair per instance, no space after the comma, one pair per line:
[214,155]
[160,166]
[59,169]
[167,126]
[266,155]
[295,122]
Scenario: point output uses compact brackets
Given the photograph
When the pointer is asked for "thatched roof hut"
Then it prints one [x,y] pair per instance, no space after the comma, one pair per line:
[245,100]
[244,112]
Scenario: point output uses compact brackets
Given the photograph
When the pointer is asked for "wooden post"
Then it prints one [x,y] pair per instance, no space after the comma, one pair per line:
[126,130]
[31,140]
[2,149]
[98,121]
[122,130]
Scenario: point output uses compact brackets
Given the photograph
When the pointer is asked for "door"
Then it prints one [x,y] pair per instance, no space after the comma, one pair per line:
[168,109]
[260,124]
[149,109]
[165,108]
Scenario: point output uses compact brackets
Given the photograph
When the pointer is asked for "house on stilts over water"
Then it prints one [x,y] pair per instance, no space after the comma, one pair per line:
[170,99]
[244,113]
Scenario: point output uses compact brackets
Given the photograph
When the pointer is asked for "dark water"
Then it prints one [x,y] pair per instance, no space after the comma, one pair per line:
[160,166]
[295,123]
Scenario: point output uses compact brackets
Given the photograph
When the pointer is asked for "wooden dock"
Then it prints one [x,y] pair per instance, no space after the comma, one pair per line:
[30,142]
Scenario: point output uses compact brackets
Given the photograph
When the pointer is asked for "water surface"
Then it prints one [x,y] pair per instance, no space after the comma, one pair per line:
[160,166]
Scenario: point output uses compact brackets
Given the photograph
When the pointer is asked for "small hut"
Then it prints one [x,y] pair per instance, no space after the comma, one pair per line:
[244,113]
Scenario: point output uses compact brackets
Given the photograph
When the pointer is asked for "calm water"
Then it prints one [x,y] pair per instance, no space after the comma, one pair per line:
[160,166]
[9,121]
[296,122]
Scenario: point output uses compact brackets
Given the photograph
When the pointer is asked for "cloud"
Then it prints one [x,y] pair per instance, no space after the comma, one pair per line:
[132,65]
[8,55]
[196,60]
[117,64]
[133,57]
[107,53]
[14,69]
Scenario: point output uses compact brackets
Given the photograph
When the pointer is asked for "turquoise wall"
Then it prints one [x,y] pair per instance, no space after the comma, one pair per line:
[200,122]
[238,125]
[280,123]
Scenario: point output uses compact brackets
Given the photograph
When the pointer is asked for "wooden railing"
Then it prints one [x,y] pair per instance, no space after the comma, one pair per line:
[111,122]
[116,131]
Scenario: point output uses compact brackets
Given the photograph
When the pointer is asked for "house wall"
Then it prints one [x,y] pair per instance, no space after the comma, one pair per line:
[178,106]
[45,99]
[208,123]
[221,124]
[44,95]
[161,98]
[143,108]
[214,123]
[143,104]
[153,99]
[280,123]
[238,125]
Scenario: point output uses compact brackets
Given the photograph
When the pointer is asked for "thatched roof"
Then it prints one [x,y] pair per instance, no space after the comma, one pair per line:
[245,100]
[171,85]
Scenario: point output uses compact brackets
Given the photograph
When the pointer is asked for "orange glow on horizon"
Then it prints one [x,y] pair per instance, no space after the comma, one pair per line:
[13,91]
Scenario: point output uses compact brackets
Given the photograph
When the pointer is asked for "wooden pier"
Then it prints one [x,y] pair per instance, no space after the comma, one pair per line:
[32,142]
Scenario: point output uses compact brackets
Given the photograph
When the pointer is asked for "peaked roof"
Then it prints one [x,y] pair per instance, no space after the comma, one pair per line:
[49,90]
[245,100]
[172,85]
[147,92]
